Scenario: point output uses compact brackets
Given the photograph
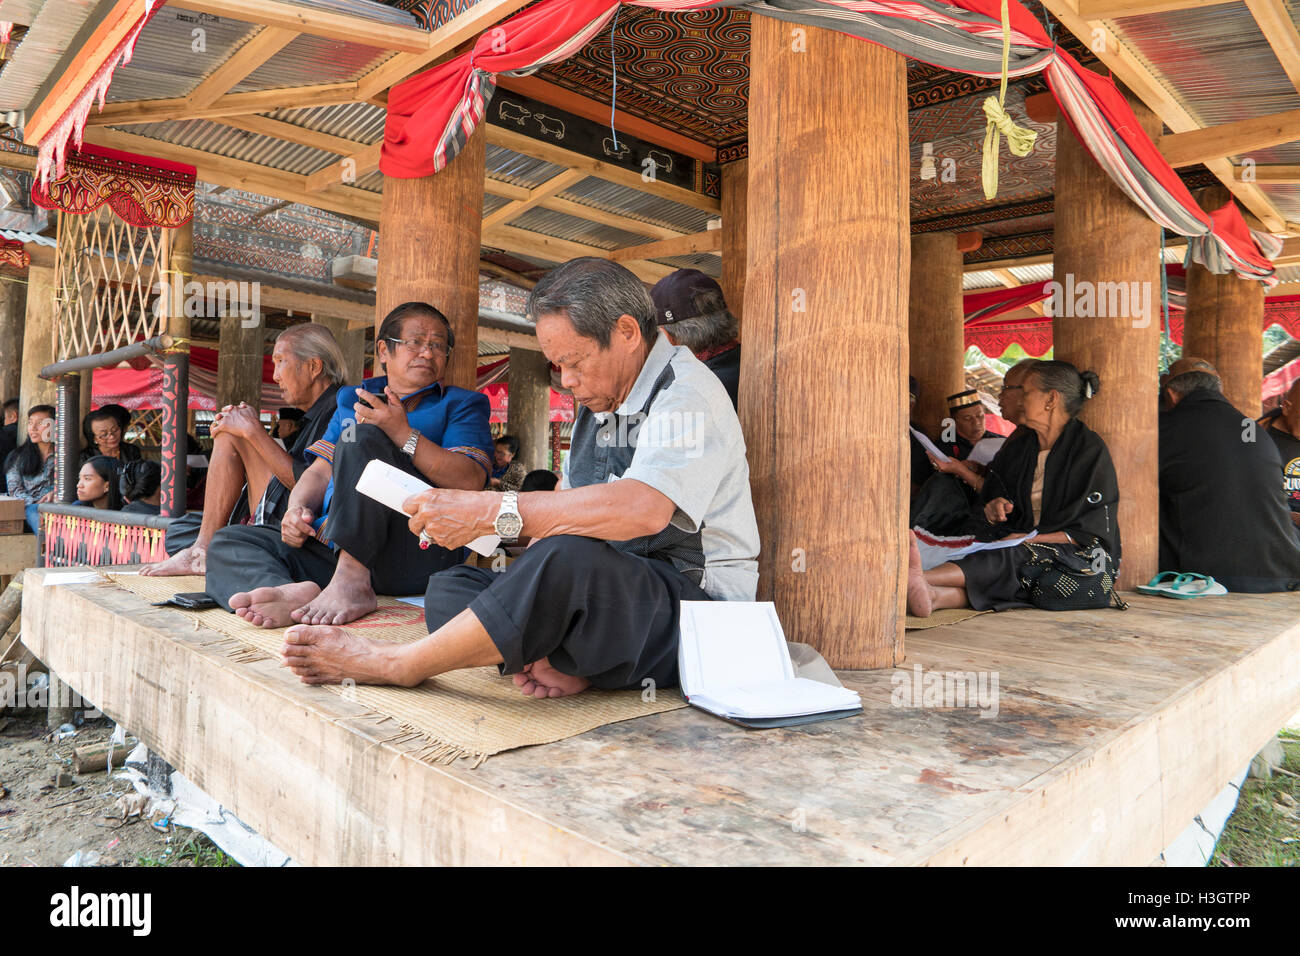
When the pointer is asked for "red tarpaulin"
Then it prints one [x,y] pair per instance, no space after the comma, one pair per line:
[499,395]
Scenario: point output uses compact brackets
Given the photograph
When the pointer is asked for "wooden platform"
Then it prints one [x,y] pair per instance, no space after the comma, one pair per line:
[1113,731]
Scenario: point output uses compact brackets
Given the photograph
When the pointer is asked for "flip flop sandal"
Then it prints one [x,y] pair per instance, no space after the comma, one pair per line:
[1192,585]
[1160,585]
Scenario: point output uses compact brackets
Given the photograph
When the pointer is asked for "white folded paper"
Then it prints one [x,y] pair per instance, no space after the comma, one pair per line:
[391,487]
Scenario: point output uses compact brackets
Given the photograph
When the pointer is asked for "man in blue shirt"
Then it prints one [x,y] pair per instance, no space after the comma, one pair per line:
[336,548]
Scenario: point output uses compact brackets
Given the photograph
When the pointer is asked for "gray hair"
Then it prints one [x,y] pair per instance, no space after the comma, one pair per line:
[1023,367]
[713,326]
[309,340]
[1189,382]
[593,293]
[1073,386]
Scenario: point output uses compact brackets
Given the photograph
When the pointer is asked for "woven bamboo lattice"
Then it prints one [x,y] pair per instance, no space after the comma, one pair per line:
[108,275]
[146,427]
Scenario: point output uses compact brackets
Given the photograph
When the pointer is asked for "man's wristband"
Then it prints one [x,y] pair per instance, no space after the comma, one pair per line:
[411,443]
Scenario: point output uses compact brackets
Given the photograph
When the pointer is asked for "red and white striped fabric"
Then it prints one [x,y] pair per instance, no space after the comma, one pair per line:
[431,115]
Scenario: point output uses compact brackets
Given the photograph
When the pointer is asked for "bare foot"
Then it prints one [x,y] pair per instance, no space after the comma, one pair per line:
[192,560]
[327,655]
[343,601]
[920,596]
[540,679]
[271,607]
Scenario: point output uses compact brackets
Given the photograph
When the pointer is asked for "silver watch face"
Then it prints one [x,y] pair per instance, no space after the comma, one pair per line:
[509,526]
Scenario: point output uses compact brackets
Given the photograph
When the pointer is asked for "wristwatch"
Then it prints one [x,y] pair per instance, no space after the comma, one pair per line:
[411,442]
[509,524]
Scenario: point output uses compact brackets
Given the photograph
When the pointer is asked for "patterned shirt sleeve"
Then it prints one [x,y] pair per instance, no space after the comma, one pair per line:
[323,447]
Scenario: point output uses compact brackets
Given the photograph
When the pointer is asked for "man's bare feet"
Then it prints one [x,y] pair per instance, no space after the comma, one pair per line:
[920,596]
[343,601]
[540,679]
[323,654]
[191,560]
[271,607]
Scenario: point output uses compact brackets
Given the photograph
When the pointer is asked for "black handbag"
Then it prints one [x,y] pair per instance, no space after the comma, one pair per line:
[1059,579]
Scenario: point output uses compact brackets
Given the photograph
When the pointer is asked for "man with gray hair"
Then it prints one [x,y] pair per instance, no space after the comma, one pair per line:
[1222,510]
[249,472]
[654,509]
[693,313]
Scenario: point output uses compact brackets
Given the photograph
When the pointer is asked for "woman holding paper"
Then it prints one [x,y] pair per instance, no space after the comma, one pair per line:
[1054,478]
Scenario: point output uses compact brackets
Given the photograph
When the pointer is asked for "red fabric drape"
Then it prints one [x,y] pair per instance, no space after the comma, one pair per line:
[422,108]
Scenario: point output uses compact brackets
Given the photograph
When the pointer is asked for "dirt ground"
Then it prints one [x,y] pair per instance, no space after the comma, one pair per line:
[42,824]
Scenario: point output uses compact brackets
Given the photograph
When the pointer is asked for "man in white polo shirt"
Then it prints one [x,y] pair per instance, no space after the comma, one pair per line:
[654,509]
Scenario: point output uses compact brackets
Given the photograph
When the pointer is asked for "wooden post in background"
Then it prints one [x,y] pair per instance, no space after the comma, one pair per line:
[1224,323]
[13,304]
[176,373]
[828,266]
[429,247]
[735,230]
[530,407]
[353,344]
[38,343]
[936,342]
[239,367]
[1102,237]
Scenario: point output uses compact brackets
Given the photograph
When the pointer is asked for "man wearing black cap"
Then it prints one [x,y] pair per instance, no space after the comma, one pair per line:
[692,312]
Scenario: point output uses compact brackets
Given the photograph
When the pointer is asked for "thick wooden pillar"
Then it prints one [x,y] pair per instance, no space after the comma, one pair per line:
[1224,323]
[429,238]
[239,369]
[1101,239]
[13,303]
[936,344]
[828,266]
[38,343]
[353,343]
[530,406]
[735,232]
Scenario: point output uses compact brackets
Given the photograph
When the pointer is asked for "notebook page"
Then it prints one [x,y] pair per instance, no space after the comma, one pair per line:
[726,643]
[784,698]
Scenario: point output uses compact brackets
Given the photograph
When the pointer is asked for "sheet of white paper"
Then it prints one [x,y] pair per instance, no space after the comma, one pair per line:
[985,449]
[933,555]
[780,698]
[928,445]
[391,487]
[729,643]
[69,577]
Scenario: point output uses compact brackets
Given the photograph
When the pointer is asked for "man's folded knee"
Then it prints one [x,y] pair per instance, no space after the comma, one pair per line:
[571,547]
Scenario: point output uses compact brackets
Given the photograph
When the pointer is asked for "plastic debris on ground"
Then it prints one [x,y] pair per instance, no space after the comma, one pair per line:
[190,807]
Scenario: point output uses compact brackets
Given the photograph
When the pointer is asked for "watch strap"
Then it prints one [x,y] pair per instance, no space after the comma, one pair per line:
[412,443]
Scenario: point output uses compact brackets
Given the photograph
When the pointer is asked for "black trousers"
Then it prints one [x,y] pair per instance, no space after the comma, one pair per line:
[243,557]
[593,611]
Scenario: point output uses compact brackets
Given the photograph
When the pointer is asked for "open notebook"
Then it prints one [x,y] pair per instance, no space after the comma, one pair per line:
[391,486]
[734,663]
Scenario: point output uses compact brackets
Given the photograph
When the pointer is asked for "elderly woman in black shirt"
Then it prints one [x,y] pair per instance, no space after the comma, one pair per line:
[1054,477]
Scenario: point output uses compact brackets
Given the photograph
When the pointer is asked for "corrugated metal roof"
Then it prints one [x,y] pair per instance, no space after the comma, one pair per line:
[53,24]
[237,144]
[708,263]
[632,202]
[979,280]
[1215,58]
[363,122]
[492,203]
[170,60]
[379,12]
[310,60]
[507,166]
[563,226]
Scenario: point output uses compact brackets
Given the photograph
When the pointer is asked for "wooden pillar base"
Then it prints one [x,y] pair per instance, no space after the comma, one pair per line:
[823,371]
